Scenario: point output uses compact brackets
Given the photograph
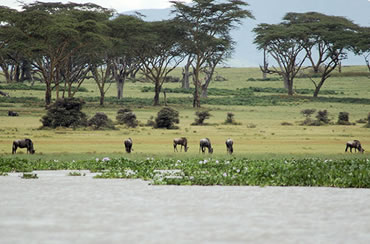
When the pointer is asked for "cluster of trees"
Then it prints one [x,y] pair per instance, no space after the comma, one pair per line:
[63,44]
[322,40]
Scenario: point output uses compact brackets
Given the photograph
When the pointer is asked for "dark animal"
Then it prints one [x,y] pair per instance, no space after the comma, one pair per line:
[229,146]
[180,141]
[22,144]
[205,143]
[12,113]
[354,144]
[128,145]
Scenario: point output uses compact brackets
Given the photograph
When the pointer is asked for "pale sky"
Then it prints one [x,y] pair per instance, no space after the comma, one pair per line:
[118,5]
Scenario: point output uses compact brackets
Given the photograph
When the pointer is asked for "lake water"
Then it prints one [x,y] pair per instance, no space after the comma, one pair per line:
[57,208]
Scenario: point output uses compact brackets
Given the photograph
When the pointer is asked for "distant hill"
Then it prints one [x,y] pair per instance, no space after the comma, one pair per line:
[272,11]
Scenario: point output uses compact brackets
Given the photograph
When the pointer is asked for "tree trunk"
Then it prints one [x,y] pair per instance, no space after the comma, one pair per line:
[290,90]
[286,82]
[185,77]
[120,84]
[102,95]
[318,87]
[157,91]
[48,94]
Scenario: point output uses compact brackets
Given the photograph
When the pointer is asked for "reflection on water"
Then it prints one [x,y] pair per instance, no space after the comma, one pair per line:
[57,208]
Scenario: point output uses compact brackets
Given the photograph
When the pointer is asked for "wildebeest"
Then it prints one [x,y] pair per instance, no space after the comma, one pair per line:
[22,144]
[180,141]
[12,113]
[128,145]
[205,143]
[229,146]
[354,144]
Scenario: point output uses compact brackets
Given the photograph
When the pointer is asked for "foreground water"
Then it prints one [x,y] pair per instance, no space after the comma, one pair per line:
[57,208]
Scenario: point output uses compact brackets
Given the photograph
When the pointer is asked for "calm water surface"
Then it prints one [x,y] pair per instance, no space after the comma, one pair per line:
[57,208]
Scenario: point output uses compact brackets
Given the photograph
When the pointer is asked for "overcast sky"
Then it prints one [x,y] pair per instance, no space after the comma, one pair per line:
[118,5]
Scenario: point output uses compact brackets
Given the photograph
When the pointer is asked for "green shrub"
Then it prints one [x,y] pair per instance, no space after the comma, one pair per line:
[167,118]
[65,112]
[343,118]
[127,117]
[101,121]
[201,116]
[322,117]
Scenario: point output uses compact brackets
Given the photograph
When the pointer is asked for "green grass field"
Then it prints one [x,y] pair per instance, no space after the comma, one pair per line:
[260,134]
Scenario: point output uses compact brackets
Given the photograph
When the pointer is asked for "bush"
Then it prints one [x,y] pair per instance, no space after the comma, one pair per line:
[308,112]
[65,112]
[201,116]
[368,121]
[127,117]
[322,117]
[343,118]
[101,121]
[167,118]
[230,119]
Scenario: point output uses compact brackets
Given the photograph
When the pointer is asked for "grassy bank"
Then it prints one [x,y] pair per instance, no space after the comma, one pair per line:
[210,171]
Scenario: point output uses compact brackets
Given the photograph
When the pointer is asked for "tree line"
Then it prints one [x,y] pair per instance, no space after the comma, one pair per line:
[62,45]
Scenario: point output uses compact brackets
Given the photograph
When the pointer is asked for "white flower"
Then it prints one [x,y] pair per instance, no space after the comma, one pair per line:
[201,162]
[73,161]
[97,159]
[227,162]
[205,161]
[105,159]
[56,160]
[238,170]
[225,174]
[178,161]
[217,161]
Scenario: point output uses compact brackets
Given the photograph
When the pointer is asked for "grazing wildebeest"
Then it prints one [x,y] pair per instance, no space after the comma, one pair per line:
[22,144]
[229,146]
[128,145]
[354,144]
[12,113]
[205,143]
[180,141]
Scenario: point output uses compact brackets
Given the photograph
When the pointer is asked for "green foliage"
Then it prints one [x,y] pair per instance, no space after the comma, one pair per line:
[322,117]
[201,116]
[343,118]
[100,121]
[23,86]
[66,113]
[127,117]
[353,173]
[238,92]
[167,118]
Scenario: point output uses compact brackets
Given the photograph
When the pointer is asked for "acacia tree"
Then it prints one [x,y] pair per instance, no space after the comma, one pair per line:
[51,44]
[285,44]
[13,63]
[123,32]
[159,50]
[326,40]
[207,23]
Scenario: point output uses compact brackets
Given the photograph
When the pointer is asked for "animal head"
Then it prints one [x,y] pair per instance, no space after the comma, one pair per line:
[32,151]
[210,150]
[186,148]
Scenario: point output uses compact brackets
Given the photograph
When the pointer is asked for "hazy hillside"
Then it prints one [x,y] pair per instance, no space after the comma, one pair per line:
[272,11]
